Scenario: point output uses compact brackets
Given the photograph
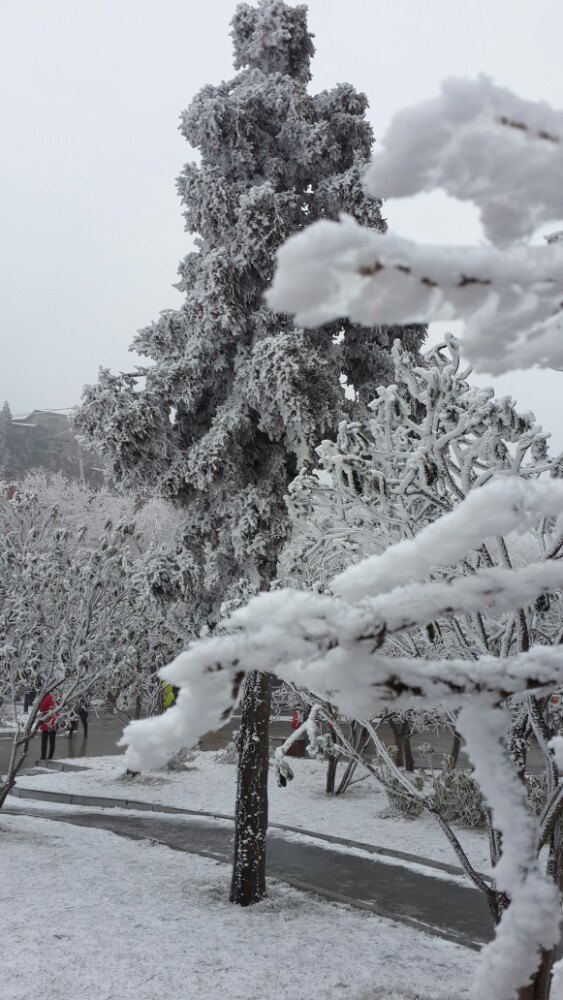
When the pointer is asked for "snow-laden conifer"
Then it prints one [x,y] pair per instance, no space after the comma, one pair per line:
[237,396]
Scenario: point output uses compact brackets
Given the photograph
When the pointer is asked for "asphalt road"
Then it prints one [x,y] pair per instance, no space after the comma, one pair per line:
[103,734]
[437,905]
[105,731]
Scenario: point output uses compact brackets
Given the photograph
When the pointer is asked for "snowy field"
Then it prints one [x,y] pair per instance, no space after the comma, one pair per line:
[361,814]
[84,923]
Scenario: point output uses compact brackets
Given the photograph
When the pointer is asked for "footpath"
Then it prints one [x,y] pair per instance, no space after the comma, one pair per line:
[423,894]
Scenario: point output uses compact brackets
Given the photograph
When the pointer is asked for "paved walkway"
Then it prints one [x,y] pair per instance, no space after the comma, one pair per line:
[103,734]
[386,883]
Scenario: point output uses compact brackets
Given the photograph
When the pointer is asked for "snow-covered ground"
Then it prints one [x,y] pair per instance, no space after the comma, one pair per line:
[94,915]
[361,814]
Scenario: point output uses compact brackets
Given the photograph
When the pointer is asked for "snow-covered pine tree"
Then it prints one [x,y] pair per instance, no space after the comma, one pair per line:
[236,396]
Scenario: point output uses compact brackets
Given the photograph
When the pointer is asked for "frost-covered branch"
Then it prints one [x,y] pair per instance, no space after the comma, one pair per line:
[503,506]
[325,644]
[479,143]
[510,299]
[530,924]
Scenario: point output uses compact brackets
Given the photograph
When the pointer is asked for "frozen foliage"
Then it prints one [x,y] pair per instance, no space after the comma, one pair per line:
[76,616]
[509,298]
[530,924]
[458,599]
[479,143]
[464,141]
[432,438]
[236,397]
[273,38]
[458,797]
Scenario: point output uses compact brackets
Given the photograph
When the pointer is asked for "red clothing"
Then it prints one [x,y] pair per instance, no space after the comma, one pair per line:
[51,721]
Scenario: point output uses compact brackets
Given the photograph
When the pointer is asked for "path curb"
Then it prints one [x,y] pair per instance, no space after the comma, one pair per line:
[107,802]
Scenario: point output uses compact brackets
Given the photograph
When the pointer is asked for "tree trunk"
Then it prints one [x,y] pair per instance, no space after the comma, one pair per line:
[456,747]
[407,748]
[398,737]
[540,987]
[346,777]
[5,790]
[331,775]
[17,757]
[251,812]
[331,768]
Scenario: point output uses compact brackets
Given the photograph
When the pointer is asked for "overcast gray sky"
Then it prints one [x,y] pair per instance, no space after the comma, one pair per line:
[90,94]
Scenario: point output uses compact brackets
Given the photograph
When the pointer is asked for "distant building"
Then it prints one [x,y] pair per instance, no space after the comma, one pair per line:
[44,440]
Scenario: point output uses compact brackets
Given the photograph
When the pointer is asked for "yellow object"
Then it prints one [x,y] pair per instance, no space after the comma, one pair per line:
[168,697]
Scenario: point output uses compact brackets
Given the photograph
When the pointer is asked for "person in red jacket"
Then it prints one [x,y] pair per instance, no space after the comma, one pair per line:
[48,724]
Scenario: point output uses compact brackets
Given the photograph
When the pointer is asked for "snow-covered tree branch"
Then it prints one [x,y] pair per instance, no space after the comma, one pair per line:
[461,503]
[76,615]
[481,144]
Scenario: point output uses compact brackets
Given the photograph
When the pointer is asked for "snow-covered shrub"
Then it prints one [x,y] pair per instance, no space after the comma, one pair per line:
[458,797]
[179,761]
[228,754]
[399,799]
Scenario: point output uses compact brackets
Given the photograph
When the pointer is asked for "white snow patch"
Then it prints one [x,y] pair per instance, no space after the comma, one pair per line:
[95,915]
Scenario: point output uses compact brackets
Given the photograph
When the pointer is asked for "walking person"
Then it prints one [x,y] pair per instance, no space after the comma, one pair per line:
[29,697]
[48,724]
[82,713]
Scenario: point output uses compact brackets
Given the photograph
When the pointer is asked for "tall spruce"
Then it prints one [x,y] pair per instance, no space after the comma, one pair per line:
[237,397]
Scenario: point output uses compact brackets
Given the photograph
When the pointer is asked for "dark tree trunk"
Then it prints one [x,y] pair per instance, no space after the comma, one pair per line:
[402,736]
[251,812]
[331,775]
[346,778]
[398,737]
[407,748]
[331,768]
[540,987]
[456,747]
[17,757]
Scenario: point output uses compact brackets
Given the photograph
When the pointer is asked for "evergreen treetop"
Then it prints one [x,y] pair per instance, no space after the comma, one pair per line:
[237,396]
